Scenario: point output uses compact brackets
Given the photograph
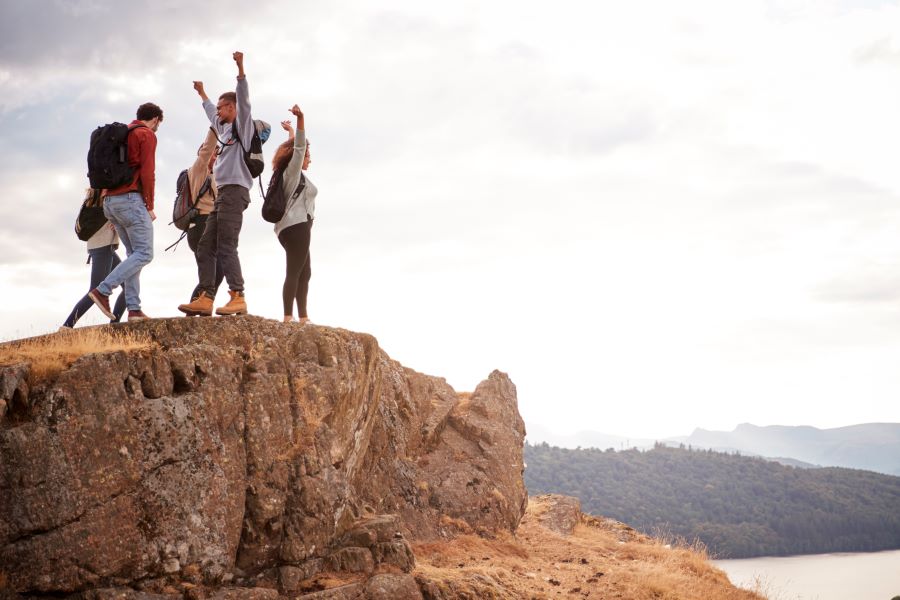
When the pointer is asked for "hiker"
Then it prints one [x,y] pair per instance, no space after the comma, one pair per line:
[130,209]
[101,249]
[233,124]
[200,171]
[295,227]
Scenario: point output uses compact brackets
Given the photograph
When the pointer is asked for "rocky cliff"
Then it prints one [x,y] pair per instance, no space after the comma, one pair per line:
[243,458]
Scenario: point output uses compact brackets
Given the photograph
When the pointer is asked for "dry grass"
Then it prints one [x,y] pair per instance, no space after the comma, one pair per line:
[600,560]
[50,354]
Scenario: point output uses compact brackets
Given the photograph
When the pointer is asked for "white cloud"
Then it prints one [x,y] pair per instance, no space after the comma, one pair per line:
[647,213]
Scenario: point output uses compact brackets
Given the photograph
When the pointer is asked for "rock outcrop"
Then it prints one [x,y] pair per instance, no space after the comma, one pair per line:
[243,458]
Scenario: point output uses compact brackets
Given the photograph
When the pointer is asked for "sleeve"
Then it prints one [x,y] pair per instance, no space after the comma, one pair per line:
[210,109]
[244,119]
[148,166]
[292,171]
[199,170]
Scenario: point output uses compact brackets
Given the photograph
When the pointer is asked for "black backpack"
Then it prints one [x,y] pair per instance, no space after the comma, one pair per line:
[107,158]
[274,202]
[253,156]
[185,210]
[90,218]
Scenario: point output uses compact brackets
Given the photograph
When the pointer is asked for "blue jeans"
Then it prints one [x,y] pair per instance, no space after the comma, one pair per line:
[128,213]
[103,261]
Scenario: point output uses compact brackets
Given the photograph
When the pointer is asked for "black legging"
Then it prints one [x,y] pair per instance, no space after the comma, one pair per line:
[295,241]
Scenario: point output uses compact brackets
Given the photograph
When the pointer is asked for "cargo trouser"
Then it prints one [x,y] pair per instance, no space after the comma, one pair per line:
[220,240]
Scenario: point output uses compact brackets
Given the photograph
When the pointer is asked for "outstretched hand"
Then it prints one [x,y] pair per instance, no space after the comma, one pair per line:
[286,125]
[198,85]
[295,110]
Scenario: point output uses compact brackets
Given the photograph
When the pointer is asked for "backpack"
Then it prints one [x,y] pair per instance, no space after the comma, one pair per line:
[253,156]
[107,157]
[185,210]
[274,202]
[90,218]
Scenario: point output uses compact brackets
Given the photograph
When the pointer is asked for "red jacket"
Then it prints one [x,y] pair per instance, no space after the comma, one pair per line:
[142,158]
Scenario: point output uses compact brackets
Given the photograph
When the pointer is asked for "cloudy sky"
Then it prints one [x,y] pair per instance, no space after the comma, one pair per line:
[653,215]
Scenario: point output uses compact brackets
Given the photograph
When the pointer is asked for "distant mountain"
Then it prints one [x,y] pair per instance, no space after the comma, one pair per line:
[738,506]
[871,446]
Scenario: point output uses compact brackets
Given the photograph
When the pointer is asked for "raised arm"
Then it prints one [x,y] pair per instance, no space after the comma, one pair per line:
[208,106]
[244,119]
[295,110]
[198,85]
[286,125]
[292,172]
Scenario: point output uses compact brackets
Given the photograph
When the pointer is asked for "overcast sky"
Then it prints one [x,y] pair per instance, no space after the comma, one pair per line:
[653,215]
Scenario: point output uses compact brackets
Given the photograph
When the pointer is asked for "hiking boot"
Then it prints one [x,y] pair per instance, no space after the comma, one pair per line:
[201,307]
[236,306]
[137,315]
[102,302]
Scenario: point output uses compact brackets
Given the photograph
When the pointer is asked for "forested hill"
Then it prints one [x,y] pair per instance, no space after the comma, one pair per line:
[738,506]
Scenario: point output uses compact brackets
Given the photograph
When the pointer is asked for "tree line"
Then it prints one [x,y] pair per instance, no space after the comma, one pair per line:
[738,506]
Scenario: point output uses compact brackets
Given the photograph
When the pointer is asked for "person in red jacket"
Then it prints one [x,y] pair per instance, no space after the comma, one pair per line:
[130,209]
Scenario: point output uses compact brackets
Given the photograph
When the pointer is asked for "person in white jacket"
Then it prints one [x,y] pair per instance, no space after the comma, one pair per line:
[101,249]
[295,227]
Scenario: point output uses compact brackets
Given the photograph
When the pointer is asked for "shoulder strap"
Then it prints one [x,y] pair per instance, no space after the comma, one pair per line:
[229,142]
[300,186]
[237,136]
[205,187]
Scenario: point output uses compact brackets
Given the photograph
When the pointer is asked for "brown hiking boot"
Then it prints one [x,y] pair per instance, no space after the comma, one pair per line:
[137,315]
[201,307]
[102,302]
[236,306]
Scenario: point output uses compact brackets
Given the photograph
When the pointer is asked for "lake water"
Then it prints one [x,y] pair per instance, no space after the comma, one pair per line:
[856,576]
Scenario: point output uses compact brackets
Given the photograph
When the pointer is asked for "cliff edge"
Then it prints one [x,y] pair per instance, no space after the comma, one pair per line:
[244,452]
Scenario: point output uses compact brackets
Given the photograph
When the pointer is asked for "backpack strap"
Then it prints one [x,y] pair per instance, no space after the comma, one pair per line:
[175,244]
[300,186]
[222,143]
[206,187]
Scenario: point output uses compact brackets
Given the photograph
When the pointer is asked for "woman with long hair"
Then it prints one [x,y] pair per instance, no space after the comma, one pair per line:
[295,227]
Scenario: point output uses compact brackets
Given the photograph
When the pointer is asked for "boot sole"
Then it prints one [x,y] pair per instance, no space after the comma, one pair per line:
[231,314]
[195,313]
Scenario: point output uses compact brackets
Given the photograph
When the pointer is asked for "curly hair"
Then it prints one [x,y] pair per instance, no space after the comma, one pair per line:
[148,111]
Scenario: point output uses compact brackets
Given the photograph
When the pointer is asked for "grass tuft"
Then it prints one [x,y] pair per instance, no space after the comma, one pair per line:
[50,354]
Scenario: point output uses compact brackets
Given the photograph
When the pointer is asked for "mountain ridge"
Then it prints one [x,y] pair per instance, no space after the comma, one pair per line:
[870,446]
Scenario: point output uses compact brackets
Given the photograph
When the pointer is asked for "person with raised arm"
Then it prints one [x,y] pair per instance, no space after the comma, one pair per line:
[294,230]
[233,124]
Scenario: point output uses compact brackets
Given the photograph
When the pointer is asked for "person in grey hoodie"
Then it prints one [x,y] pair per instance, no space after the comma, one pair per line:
[295,227]
[233,124]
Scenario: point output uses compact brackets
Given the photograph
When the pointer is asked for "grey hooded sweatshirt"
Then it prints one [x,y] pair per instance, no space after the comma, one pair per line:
[230,168]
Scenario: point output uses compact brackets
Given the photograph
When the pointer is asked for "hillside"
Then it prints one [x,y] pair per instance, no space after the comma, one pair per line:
[246,459]
[558,552]
[737,506]
[869,446]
